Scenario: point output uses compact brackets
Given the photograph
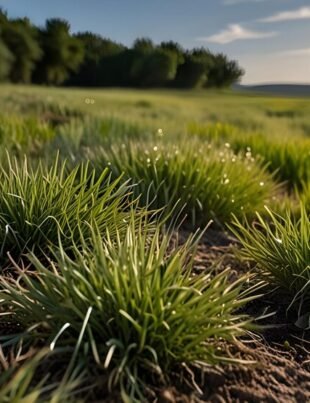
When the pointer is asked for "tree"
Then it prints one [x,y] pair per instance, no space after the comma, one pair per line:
[143,45]
[154,69]
[6,59]
[63,53]
[174,48]
[20,38]
[224,72]
[193,73]
[98,63]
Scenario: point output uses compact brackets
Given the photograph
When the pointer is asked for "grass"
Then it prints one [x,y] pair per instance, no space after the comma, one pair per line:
[204,182]
[289,159]
[20,380]
[304,195]
[77,135]
[170,110]
[96,294]
[271,127]
[142,309]
[18,135]
[280,247]
[38,205]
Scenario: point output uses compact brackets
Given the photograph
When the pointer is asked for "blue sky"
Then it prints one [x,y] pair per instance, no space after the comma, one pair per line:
[269,38]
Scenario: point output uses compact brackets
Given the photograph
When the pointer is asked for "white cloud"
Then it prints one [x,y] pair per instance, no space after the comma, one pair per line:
[235,2]
[235,32]
[299,14]
[295,52]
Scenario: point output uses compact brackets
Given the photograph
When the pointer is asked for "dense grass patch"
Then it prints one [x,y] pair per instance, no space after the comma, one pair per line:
[38,205]
[280,246]
[206,183]
[288,159]
[141,308]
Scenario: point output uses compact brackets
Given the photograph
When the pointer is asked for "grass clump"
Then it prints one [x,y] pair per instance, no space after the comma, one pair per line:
[289,160]
[206,183]
[141,307]
[280,245]
[38,204]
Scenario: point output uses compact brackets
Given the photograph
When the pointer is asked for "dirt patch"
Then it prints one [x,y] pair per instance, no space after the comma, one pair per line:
[278,376]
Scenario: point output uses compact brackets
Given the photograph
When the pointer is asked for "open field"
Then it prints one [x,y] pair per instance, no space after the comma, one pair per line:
[154,245]
[171,108]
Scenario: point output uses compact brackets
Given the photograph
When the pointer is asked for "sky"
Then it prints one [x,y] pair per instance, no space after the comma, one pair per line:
[269,38]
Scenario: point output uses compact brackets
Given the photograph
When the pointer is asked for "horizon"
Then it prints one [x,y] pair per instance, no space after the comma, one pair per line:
[268,38]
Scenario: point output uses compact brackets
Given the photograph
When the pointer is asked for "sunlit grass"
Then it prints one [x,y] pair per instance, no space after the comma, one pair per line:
[39,205]
[289,159]
[280,245]
[304,195]
[92,289]
[205,182]
[142,308]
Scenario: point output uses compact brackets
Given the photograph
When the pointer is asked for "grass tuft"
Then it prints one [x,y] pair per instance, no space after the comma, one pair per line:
[39,204]
[203,182]
[139,304]
[280,245]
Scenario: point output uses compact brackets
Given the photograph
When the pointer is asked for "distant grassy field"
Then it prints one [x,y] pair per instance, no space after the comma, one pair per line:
[171,110]
[109,287]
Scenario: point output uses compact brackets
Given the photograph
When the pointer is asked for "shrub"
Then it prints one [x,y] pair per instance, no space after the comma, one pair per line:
[141,307]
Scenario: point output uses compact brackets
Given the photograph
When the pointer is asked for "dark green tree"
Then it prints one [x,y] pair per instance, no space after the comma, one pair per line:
[143,45]
[224,72]
[6,59]
[98,66]
[20,38]
[174,48]
[153,66]
[154,69]
[63,53]
[194,72]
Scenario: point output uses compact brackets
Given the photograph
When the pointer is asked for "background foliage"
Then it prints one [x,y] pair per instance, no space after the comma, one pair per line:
[52,55]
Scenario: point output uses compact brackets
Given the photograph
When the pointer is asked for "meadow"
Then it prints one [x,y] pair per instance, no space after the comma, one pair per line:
[155,245]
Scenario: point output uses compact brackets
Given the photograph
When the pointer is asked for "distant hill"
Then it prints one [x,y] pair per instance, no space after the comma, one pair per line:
[302,90]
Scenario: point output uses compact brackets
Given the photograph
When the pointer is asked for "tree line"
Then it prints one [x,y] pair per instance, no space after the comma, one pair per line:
[52,55]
